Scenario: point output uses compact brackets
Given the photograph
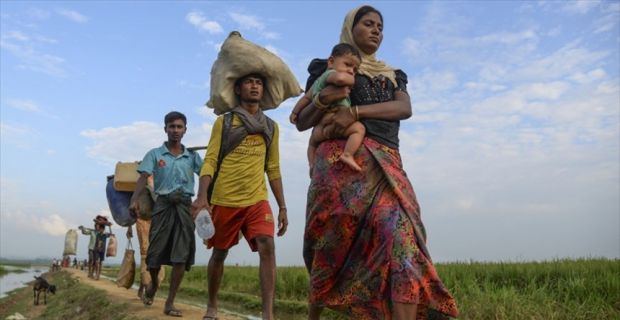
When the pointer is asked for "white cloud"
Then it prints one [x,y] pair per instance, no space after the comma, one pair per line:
[252,23]
[38,14]
[590,76]
[562,63]
[580,6]
[434,82]
[609,20]
[18,135]
[126,143]
[53,224]
[272,49]
[198,20]
[28,106]
[131,142]
[247,21]
[73,15]
[15,35]
[507,37]
[34,60]
[412,48]
[24,105]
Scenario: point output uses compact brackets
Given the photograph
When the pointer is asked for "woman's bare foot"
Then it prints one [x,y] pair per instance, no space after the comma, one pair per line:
[350,161]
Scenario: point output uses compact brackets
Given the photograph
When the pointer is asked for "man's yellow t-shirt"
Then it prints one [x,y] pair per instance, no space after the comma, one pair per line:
[241,180]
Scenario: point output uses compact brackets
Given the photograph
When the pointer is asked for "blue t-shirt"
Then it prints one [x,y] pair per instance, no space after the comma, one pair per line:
[171,173]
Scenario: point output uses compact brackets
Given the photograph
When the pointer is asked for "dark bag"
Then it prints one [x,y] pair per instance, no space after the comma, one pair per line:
[118,201]
[127,272]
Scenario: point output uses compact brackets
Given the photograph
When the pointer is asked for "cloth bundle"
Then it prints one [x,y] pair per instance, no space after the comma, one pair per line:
[127,272]
[239,57]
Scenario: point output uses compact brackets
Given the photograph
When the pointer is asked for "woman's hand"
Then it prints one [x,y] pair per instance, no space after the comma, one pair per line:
[331,94]
[341,120]
[311,115]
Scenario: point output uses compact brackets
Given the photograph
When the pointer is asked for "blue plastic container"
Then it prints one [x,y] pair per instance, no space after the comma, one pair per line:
[119,201]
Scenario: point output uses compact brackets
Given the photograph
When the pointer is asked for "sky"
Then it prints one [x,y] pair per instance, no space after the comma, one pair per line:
[513,146]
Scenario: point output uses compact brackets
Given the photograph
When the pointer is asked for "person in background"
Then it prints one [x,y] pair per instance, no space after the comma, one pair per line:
[143,226]
[101,238]
[171,235]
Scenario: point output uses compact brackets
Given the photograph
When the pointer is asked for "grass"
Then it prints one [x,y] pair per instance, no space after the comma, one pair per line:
[79,302]
[560,289]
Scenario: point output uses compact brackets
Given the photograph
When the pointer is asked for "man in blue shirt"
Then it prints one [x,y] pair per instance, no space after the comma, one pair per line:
[171,236]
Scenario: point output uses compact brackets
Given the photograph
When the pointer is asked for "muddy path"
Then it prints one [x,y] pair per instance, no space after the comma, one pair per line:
[135,305]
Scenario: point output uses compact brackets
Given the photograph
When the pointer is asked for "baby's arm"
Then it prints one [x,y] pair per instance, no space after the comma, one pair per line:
[305,100]
[340,79]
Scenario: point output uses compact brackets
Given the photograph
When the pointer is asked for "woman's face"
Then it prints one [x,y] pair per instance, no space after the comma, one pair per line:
[368,33]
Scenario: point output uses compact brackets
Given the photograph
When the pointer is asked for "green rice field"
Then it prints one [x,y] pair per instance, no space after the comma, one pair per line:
[560,289]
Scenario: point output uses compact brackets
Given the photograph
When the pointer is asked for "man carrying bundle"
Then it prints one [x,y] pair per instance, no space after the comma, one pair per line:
[239,199]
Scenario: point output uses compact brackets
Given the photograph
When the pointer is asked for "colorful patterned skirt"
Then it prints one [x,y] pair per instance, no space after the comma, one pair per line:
[364,242]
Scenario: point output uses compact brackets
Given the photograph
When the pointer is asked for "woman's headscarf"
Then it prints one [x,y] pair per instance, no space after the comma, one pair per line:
[370,65]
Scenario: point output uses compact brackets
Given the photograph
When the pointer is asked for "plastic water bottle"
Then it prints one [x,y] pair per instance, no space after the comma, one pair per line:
[204,225]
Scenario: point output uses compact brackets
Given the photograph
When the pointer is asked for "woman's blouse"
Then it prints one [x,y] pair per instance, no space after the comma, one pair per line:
[369,91]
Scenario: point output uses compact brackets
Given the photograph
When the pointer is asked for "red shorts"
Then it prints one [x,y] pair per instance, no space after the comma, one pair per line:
[253,221]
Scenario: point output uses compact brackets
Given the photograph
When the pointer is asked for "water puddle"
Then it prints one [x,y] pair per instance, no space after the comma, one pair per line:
[15,280]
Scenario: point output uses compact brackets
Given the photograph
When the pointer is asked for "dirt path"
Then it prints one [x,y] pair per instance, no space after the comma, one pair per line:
[135,306]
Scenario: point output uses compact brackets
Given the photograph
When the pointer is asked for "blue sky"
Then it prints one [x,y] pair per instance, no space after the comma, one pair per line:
[513,147]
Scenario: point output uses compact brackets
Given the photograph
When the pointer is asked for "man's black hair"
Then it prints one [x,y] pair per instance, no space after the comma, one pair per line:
[174,115]
[362,12]
[254,75]
[341,49]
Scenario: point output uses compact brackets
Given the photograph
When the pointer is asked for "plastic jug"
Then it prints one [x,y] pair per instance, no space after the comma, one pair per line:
[204,225]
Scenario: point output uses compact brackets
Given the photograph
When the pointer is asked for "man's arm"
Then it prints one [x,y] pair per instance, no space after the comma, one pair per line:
[275,179]
[208,168]
[278,193]
[202,198]
[134,207]
[85,231]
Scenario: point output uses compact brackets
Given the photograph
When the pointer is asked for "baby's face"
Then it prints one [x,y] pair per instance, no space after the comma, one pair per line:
[347,63]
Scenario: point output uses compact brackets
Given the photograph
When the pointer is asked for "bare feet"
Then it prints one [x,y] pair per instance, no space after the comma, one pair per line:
[350,161]
[170,310]
[149,295]
[211,314]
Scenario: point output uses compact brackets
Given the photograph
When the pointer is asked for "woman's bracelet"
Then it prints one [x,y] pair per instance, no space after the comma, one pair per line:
[317,103]
[357,113]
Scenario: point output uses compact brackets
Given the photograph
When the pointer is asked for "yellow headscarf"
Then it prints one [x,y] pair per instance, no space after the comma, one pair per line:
[370,65]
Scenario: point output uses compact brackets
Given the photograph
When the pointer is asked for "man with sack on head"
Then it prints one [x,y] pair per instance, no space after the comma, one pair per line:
[244,145]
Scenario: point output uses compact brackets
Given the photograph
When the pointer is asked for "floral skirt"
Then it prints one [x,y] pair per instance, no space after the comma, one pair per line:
[364,242]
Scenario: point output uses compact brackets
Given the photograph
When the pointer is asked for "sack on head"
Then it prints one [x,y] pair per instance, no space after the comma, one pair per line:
[239,57]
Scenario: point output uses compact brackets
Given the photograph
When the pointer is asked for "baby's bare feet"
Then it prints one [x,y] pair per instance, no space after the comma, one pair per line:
[350,161]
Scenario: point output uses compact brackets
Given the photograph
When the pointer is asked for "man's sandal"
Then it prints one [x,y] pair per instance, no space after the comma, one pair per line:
[147,298]
[173,312]
[209,317]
